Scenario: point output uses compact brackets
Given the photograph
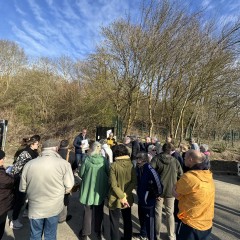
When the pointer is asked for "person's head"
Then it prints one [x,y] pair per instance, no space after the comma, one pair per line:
[110,135]
[154,140]
[2,157]
[152,150]
[134,138]
[204,148]
[167,148]
[51,144]
[142,158]
[147,139]
[169,138]
[184,147]
[64,143]
[192,140]
[33,143]
[95,148]
[37,137]
[193,157]
[120,150]
[126,140]
[103,141]
[84,131]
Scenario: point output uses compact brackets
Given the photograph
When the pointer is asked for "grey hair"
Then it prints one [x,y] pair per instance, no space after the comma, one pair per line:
[95,148]
[103,141]
[126,139]
[204,147]
[154,138]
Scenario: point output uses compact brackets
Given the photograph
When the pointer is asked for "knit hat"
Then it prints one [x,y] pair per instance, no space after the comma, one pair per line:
[2,154]
[50,143]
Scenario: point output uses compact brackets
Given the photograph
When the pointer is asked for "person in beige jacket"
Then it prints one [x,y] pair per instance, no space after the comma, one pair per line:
[45,180]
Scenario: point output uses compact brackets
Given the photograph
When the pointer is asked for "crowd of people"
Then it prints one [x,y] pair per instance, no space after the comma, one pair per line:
[107,172]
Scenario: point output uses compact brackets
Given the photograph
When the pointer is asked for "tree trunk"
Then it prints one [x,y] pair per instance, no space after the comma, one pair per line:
[150,111]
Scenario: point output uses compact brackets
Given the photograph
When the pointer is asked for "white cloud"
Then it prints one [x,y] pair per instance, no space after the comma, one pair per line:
[27,40]
[68,11]
[31,31]
[19,10]
[36,10]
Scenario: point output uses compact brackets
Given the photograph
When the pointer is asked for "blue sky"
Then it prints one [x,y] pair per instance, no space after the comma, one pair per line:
[72,27]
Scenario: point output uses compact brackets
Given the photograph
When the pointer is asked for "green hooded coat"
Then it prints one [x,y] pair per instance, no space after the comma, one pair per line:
[94,173]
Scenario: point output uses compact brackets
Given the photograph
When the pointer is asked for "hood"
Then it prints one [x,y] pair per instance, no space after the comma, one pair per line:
[105,146]
[165,158]
[203,175]
[200,166]
[124,161]
[95,159]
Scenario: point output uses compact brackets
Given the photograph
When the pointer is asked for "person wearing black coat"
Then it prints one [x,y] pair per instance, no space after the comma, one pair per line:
[6,193]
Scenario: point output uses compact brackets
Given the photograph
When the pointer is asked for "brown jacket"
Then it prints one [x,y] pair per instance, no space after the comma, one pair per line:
[6,191]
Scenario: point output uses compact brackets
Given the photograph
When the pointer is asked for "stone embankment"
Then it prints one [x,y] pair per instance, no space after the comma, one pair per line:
[225,167]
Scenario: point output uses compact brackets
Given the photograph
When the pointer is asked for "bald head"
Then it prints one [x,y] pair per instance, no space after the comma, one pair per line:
[193,157]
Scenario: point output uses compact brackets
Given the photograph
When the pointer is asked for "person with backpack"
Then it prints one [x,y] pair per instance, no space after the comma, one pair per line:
[149,189]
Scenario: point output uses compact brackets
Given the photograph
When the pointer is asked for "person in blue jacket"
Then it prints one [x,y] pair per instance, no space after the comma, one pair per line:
[149,189]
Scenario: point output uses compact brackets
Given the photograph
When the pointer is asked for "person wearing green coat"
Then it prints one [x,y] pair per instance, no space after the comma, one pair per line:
[94,189]
[123,180]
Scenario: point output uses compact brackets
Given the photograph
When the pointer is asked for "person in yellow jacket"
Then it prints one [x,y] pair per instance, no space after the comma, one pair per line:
[111,140]
[195,191]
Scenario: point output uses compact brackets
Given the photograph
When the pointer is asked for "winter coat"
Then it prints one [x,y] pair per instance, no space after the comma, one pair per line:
[6,191]
[135,149]
[196,199]
[178,156]
[123,179]
[25,156]
[94,173]
[45,180]
[78,142]
[169,170]
[63,152]
[149,185]
[107,153]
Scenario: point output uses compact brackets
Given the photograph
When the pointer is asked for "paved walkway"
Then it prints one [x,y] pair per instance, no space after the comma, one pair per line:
[226,222]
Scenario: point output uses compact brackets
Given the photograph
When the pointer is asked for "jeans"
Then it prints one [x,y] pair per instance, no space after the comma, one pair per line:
[79,158]
[169,208]
[46,226]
